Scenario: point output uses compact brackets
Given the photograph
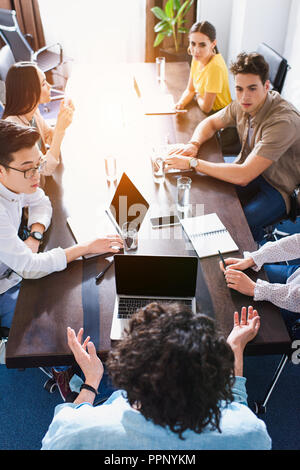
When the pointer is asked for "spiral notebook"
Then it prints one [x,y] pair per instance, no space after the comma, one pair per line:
[208,235]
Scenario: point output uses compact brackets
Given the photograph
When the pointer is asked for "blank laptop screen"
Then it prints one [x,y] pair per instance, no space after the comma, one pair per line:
[128,204]
[160,276]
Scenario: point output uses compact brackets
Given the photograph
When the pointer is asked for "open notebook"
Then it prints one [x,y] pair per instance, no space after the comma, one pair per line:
[208,235]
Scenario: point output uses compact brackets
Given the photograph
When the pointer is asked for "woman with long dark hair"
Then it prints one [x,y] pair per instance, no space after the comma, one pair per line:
[209,75]
[27,88]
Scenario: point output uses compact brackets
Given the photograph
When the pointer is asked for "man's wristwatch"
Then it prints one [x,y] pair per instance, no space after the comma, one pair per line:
[193,162]
[37,236]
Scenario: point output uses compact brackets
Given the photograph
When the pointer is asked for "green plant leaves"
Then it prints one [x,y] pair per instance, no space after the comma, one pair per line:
[159,13]
[159,38]
[162,27]
[171,20]
[169,9]
[184,9]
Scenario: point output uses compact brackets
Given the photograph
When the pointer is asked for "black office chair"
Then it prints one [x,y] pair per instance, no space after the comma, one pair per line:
[10,32]
[278,66]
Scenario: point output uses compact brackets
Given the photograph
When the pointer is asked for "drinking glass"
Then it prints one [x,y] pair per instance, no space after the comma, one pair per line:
[130,236]
[183,193]
[158,163]
[110,167]
[160,68]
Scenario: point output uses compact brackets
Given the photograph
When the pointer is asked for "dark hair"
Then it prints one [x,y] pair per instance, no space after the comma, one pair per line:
[13,138]
[253,63]
[175,367]
[206,28]
[23,89]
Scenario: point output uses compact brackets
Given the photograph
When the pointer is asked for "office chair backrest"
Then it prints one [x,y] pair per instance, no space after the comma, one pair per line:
[13,37]
[277,64]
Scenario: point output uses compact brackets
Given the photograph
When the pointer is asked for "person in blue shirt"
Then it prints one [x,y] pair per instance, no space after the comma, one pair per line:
[180,387]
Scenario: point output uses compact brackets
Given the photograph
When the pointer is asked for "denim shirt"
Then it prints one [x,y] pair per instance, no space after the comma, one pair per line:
[116,426]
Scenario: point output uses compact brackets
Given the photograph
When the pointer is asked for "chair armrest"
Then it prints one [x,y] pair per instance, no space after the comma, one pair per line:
[42,49]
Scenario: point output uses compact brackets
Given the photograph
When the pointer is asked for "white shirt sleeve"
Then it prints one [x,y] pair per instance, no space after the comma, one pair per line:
[285,249]
[285,296]
[39,208]
[19,257]
[15,254]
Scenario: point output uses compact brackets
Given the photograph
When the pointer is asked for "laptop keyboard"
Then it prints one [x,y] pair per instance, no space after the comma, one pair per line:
[128,306]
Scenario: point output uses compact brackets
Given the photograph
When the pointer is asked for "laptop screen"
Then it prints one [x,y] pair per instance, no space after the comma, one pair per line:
[174,276]
[128,204]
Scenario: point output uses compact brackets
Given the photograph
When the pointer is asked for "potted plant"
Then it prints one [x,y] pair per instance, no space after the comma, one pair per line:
[171,24]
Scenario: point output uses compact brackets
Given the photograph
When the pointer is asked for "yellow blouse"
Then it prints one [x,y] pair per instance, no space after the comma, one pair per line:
[213,78]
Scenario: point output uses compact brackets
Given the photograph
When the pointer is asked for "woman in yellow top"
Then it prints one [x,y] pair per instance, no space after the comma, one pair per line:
[209,75]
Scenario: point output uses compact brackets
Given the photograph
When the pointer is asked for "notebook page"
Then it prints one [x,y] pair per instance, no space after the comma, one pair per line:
[208,235]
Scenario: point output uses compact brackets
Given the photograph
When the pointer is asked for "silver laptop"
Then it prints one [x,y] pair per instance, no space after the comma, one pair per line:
[127,205]
[142,279]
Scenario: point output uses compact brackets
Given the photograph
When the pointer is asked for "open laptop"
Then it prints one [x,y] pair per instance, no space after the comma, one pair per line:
[127,205]
[142,279]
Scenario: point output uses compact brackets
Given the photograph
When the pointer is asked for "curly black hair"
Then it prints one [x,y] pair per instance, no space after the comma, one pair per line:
[175,367]
[253,63]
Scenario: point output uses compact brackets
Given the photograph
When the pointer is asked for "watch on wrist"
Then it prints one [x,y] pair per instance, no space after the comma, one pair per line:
[193,162]
[37,236]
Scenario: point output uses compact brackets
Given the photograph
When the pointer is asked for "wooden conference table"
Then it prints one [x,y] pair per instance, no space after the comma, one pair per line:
[109,118]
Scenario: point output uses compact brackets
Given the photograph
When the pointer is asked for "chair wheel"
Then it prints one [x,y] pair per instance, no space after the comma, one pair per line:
[50,385]
[259,408]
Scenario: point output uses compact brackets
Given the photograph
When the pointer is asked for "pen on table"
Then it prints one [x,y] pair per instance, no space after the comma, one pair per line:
[222,259]
[101,274]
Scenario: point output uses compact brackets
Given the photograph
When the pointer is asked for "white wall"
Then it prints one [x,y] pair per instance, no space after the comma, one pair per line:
[217,13]
[113,32]
[100,30]
[265,21]
[291,89]
[243,24]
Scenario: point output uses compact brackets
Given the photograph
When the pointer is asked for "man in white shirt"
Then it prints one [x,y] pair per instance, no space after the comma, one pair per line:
[20,167]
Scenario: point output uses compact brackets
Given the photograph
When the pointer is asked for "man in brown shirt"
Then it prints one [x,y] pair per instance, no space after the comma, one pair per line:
[267,170]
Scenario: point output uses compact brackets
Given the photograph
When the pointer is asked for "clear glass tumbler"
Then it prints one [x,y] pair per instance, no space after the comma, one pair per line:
[183,193]
[160,68]
[130,236]
[158,163]
[110,163]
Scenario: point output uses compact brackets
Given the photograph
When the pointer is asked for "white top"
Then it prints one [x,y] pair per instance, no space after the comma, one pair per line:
[287,295]
[14,253]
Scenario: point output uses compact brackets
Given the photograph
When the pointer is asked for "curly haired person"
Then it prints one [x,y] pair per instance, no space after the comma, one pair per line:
[179,382]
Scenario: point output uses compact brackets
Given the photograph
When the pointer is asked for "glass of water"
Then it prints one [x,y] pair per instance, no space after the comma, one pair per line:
[183,193]
[158,164]
[160,68]
[110,163]
[130,236]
